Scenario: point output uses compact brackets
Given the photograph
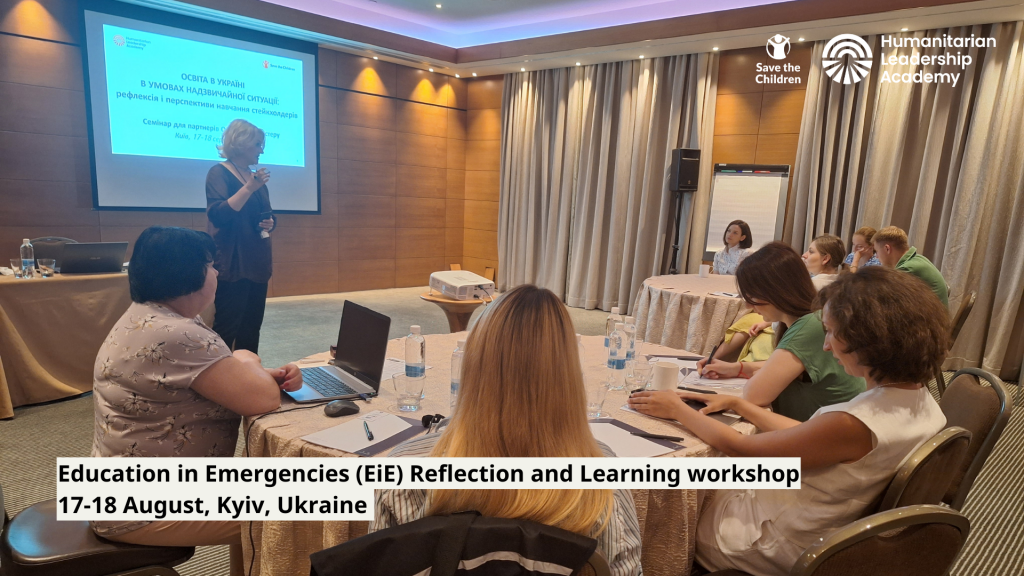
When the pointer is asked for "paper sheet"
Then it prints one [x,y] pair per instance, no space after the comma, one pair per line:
[624,444]
[695,379]
[350,436]
[684,365]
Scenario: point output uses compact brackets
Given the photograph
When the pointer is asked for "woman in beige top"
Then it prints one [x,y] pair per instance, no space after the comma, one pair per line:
[164,384]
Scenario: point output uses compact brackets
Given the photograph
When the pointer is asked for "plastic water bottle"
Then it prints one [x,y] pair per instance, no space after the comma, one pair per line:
[583,353]
[610,324]
[617,357]
[629,326]
[28,258]
[415,352]
[460,350]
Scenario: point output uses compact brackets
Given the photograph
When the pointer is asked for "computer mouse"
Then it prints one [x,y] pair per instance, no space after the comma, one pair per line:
[341,408]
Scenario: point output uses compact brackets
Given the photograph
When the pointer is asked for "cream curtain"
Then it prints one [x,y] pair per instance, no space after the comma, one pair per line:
[943,162]
[584,208]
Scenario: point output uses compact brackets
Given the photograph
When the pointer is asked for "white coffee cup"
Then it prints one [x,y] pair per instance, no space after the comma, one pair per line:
[666,376]
[705,269]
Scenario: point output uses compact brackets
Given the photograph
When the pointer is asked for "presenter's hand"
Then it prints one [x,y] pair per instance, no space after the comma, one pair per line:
[262,176]
[660,404]
[288,377]
[719,369]
[267,224]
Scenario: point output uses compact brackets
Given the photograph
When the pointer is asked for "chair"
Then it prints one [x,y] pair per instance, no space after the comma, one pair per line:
[959,319]
[489,273]
[596,566]
[34,543]
[926,475]
[455,266]
[50,247]
[984,411]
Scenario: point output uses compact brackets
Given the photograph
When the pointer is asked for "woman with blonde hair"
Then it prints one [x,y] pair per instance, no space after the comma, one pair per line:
[522,395]
[239,218]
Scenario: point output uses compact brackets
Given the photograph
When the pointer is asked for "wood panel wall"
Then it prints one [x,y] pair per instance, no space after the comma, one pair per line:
[483,156]
[394,142]
[758,123]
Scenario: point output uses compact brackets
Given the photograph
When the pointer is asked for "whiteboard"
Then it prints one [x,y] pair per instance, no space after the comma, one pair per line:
[753,193]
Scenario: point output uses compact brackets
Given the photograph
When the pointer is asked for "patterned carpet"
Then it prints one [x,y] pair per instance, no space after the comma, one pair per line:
[38,434]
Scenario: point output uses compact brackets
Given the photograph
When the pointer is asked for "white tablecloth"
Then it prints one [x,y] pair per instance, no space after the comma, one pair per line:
[678,311]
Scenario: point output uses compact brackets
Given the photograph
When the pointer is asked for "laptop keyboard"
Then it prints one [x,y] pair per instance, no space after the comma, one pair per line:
[324,383]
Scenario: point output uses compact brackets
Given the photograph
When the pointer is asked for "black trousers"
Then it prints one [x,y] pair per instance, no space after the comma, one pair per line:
[239,313]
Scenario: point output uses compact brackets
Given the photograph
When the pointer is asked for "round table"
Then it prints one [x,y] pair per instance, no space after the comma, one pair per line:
[281,548]
[458,311]
[680,311]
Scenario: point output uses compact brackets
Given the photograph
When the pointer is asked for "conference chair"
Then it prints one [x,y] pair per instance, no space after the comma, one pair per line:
[455,266]
[441,545]
[984,411]
[959,319]
[34,543]
[925,476]
[50,247]
[923,540]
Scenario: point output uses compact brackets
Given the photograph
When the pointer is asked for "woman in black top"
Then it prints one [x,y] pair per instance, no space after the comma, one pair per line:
[240,220]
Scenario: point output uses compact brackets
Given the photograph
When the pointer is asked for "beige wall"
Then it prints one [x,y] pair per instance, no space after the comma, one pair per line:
[483,155]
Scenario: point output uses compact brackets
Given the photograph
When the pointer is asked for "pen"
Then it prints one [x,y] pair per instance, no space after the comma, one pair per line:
[657,436]
[696,390]
[711,356]
[685,357]
[369,435]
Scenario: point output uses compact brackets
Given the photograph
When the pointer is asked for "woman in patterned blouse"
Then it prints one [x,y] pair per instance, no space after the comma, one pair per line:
[164,384]
[737,240]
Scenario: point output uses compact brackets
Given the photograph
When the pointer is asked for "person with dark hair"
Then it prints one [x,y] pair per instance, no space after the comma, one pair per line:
[823,259]
[164,384]
[798,377]
[239,218]
[882,326]
[737,240]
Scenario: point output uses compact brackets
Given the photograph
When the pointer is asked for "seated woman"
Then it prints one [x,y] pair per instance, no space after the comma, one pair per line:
[823,259]
[882,326]
[799,377]
[863,253]
[166,385]
[737,239]
[522,395]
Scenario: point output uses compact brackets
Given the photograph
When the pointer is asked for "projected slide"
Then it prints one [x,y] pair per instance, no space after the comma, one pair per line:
[174,97]
[161,97]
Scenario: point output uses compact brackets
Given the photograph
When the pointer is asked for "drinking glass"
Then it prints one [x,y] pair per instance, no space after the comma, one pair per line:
[642,370]
[45,267]
[409,390]
[16,266]
[596,393]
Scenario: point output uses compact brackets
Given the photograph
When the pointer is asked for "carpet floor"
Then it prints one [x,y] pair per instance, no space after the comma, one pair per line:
[298,326]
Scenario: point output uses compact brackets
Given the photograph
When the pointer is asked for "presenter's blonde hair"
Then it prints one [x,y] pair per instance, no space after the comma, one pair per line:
[522,395]
[239,134]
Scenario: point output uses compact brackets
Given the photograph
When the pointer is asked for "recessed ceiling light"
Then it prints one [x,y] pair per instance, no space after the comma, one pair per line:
[375,58]
[522,69]
[474,74]
[577,63]
[800,39]
[904,29]
[457,76]
[438,5]
[431,69]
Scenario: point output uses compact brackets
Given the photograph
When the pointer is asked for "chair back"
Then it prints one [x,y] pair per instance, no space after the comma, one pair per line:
[596,566]
[960,318]
[984,411]
[926,474]
[50,247]
[921,540]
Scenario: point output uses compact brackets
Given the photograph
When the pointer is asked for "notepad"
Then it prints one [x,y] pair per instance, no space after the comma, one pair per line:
[350,436]
[624,444]
[695,379]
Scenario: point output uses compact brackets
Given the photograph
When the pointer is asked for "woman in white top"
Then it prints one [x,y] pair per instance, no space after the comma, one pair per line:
[823,259]
[737,239]
[522,395]
[881,326]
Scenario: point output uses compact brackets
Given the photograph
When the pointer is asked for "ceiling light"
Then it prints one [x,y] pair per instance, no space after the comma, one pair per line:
[431,69]
[641,56]
[800,40]
[474,74]
[522,69]
[375,58]
[904,29]
[715,49]
[457,76]
[438,5]
[577,63]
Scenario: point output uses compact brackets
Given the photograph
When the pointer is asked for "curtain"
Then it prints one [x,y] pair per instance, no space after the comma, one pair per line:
[584,208]
[943,162]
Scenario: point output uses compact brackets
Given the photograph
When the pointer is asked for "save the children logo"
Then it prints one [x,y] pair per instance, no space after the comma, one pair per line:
[778,47]
[266,64]
[118,40]
[846,59]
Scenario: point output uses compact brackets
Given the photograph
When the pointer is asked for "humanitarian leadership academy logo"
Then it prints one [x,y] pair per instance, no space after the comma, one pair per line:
[846,59]
[118,40]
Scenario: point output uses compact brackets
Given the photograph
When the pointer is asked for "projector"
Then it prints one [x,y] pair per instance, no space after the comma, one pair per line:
[461,285]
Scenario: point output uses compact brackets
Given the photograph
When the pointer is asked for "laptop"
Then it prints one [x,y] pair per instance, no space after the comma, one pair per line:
[355,371]
[93,257]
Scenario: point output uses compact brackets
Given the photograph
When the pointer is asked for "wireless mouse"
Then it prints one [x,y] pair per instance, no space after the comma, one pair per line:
[340,408]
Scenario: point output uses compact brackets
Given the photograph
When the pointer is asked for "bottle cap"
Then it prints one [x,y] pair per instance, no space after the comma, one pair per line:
[461,344]
[25,241]
[414,329]
[619,325]
[615,309]
[630,320]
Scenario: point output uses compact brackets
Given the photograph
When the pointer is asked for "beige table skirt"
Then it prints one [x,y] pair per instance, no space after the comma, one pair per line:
[50,331]
[668,518]
[679,311]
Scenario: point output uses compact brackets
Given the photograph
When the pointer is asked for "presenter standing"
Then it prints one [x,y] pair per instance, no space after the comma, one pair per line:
[240,220]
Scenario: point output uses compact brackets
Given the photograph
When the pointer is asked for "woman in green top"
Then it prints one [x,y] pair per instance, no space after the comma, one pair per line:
[799,377]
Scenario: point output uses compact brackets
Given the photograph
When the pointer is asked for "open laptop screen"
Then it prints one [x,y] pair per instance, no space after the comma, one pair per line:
[362,343]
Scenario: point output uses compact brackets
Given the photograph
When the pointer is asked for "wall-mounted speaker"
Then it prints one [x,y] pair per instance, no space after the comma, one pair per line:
[685,170]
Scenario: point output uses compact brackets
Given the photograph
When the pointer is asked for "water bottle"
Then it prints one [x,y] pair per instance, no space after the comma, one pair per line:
[415,352]
[617,357]
[583,353]
[28,258]
[629,326]
[460,350]
[610,324]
